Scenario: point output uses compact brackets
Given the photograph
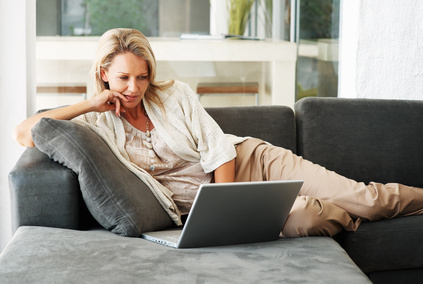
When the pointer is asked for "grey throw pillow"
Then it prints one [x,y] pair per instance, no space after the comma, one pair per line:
[115,196]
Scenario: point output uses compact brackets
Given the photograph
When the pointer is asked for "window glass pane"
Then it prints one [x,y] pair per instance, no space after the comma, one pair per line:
[68,32]
[317,62]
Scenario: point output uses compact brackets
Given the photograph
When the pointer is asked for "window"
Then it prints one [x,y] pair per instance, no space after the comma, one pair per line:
[68,31]
[94,17]
[317,62]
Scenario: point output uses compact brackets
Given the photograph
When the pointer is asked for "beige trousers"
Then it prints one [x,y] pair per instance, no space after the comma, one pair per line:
[328,202]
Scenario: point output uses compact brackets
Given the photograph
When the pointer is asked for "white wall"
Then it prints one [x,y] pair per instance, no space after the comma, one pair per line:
[381,49]
[17,32]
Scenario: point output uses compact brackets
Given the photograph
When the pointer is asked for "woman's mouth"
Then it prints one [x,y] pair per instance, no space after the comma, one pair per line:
[131,98]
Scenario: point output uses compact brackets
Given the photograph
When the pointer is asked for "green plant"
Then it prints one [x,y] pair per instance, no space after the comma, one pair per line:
[239,14]
[268,16]
[108,14]
[301,93]
[319,19]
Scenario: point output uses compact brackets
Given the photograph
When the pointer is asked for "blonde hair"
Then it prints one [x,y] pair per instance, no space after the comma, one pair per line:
[117,41]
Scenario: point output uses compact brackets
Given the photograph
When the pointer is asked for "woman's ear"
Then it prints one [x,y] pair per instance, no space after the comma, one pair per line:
[103,75]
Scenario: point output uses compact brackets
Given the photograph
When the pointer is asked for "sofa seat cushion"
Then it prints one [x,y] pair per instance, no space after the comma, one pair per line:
[51,255]
[386,245]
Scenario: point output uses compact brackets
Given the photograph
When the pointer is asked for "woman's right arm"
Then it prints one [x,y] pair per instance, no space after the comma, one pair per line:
[105,101]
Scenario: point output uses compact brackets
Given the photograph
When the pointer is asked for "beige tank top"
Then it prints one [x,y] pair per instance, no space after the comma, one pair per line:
[182,177]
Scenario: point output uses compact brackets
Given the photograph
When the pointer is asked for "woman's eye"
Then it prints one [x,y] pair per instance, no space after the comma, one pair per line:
[142,77]
[123,78]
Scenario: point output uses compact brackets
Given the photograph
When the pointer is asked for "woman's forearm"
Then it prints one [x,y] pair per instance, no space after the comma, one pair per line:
[22,132]
[225,173]
[105,101]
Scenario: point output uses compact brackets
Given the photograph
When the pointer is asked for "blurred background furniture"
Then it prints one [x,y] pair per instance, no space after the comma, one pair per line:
[229,88]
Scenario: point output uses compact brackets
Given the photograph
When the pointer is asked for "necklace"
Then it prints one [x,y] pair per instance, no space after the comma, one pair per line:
[151,153]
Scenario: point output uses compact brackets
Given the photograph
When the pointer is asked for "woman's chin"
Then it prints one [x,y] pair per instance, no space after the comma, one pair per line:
[130,105]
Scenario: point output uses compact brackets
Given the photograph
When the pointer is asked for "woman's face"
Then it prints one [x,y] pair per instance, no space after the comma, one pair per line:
[128,75]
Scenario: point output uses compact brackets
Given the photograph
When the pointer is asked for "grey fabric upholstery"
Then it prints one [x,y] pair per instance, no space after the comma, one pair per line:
[388,244]
[48,255]
[40,189]
[388,251]
[274,124]
[116,198]
[370,140]
[45,193]
[363,139]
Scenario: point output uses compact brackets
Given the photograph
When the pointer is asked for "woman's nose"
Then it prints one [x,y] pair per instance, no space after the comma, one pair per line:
[132,85]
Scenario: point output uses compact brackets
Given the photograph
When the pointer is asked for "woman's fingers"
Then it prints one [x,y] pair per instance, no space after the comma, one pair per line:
[122,97]
[115,102]
[117,107]
[109,100]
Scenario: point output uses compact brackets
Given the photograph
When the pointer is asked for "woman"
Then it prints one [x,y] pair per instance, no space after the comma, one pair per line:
[161,128]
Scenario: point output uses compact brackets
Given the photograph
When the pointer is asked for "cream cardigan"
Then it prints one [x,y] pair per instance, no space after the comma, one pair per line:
[185,127]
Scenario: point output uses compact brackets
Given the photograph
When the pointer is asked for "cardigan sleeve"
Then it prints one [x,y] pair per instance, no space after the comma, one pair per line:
[189,130]
[213,145]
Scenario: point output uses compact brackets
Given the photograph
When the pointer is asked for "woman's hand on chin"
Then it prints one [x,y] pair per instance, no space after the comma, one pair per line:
[108,100]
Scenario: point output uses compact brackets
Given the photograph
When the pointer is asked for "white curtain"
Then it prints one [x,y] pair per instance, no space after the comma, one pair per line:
[17,84]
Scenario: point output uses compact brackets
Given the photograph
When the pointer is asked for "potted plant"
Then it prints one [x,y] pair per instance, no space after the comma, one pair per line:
[239,14]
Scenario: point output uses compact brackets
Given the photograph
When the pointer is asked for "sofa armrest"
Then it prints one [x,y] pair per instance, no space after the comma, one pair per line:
[45,193]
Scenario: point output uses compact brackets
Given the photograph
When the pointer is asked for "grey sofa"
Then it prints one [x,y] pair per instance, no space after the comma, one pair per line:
[57,240]
[371,140]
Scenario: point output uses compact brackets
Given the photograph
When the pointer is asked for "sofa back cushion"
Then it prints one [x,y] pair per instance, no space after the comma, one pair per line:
[274,124]
[363,139]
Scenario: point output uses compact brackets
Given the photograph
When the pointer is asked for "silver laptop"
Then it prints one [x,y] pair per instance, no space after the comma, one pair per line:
[233,213]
